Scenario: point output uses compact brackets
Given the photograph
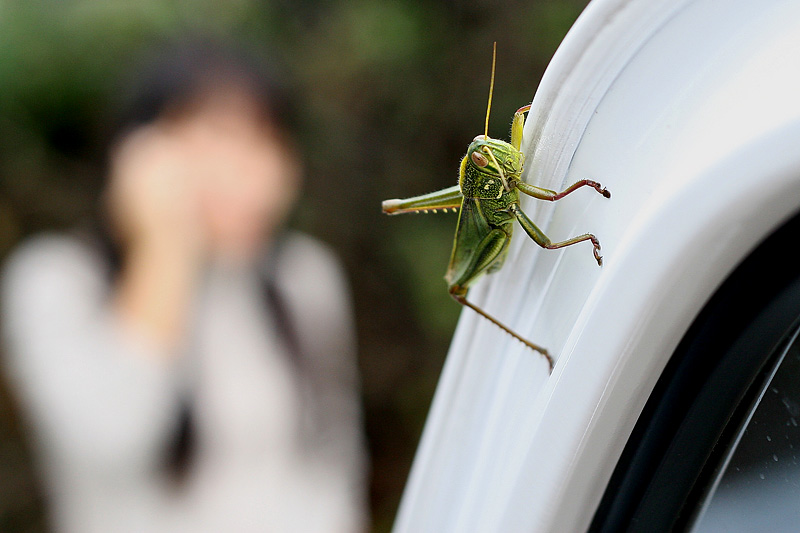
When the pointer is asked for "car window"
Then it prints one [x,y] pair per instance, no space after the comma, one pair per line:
[758,486]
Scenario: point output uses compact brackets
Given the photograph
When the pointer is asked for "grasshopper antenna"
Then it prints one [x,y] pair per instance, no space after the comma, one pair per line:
[491,90]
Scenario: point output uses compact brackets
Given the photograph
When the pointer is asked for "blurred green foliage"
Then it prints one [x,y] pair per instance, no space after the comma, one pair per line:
[391,93]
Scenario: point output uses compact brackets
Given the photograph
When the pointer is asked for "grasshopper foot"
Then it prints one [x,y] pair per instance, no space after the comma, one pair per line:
[391,206]
[596,250]
[599,188]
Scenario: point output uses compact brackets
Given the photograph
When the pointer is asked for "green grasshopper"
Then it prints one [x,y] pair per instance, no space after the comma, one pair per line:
[487,197]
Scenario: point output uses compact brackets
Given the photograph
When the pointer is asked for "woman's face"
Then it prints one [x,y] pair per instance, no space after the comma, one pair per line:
[246,176]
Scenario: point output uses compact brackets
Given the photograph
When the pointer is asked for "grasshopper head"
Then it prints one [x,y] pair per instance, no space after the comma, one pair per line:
[494,156]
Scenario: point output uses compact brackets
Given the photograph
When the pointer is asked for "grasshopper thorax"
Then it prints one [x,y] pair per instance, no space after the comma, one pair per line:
[490,168]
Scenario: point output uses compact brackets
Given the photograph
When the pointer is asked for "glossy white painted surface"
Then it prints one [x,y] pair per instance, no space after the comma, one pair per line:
[689,112]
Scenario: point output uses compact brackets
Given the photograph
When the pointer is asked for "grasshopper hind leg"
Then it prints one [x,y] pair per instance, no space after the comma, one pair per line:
[488,256]
[459,295]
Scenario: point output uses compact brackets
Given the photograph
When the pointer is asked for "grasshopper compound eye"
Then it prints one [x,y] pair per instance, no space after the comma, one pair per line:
[479,159]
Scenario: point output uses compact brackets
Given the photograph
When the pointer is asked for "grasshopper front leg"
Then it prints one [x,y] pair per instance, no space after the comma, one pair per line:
[442,200]
[546,194]
[544,241]
[517,125]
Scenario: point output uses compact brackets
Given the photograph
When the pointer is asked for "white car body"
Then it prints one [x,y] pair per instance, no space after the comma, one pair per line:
[688,111]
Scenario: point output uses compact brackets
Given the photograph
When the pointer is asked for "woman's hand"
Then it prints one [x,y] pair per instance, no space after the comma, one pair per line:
[152,193]
[153,206]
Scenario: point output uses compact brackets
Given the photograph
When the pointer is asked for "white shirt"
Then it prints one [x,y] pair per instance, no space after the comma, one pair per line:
[278,443]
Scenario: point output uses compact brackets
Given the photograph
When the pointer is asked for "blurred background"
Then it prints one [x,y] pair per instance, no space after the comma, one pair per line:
[390,92]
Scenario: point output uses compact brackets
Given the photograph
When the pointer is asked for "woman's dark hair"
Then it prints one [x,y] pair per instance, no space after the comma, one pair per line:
[171,76]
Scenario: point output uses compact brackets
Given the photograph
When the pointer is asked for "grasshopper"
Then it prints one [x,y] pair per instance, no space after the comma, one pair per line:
[487,200]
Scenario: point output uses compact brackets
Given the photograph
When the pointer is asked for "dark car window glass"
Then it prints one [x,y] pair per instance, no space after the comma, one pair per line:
[759,486]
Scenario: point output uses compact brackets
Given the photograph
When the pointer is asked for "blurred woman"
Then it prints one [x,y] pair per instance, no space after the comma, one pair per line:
[189,366]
